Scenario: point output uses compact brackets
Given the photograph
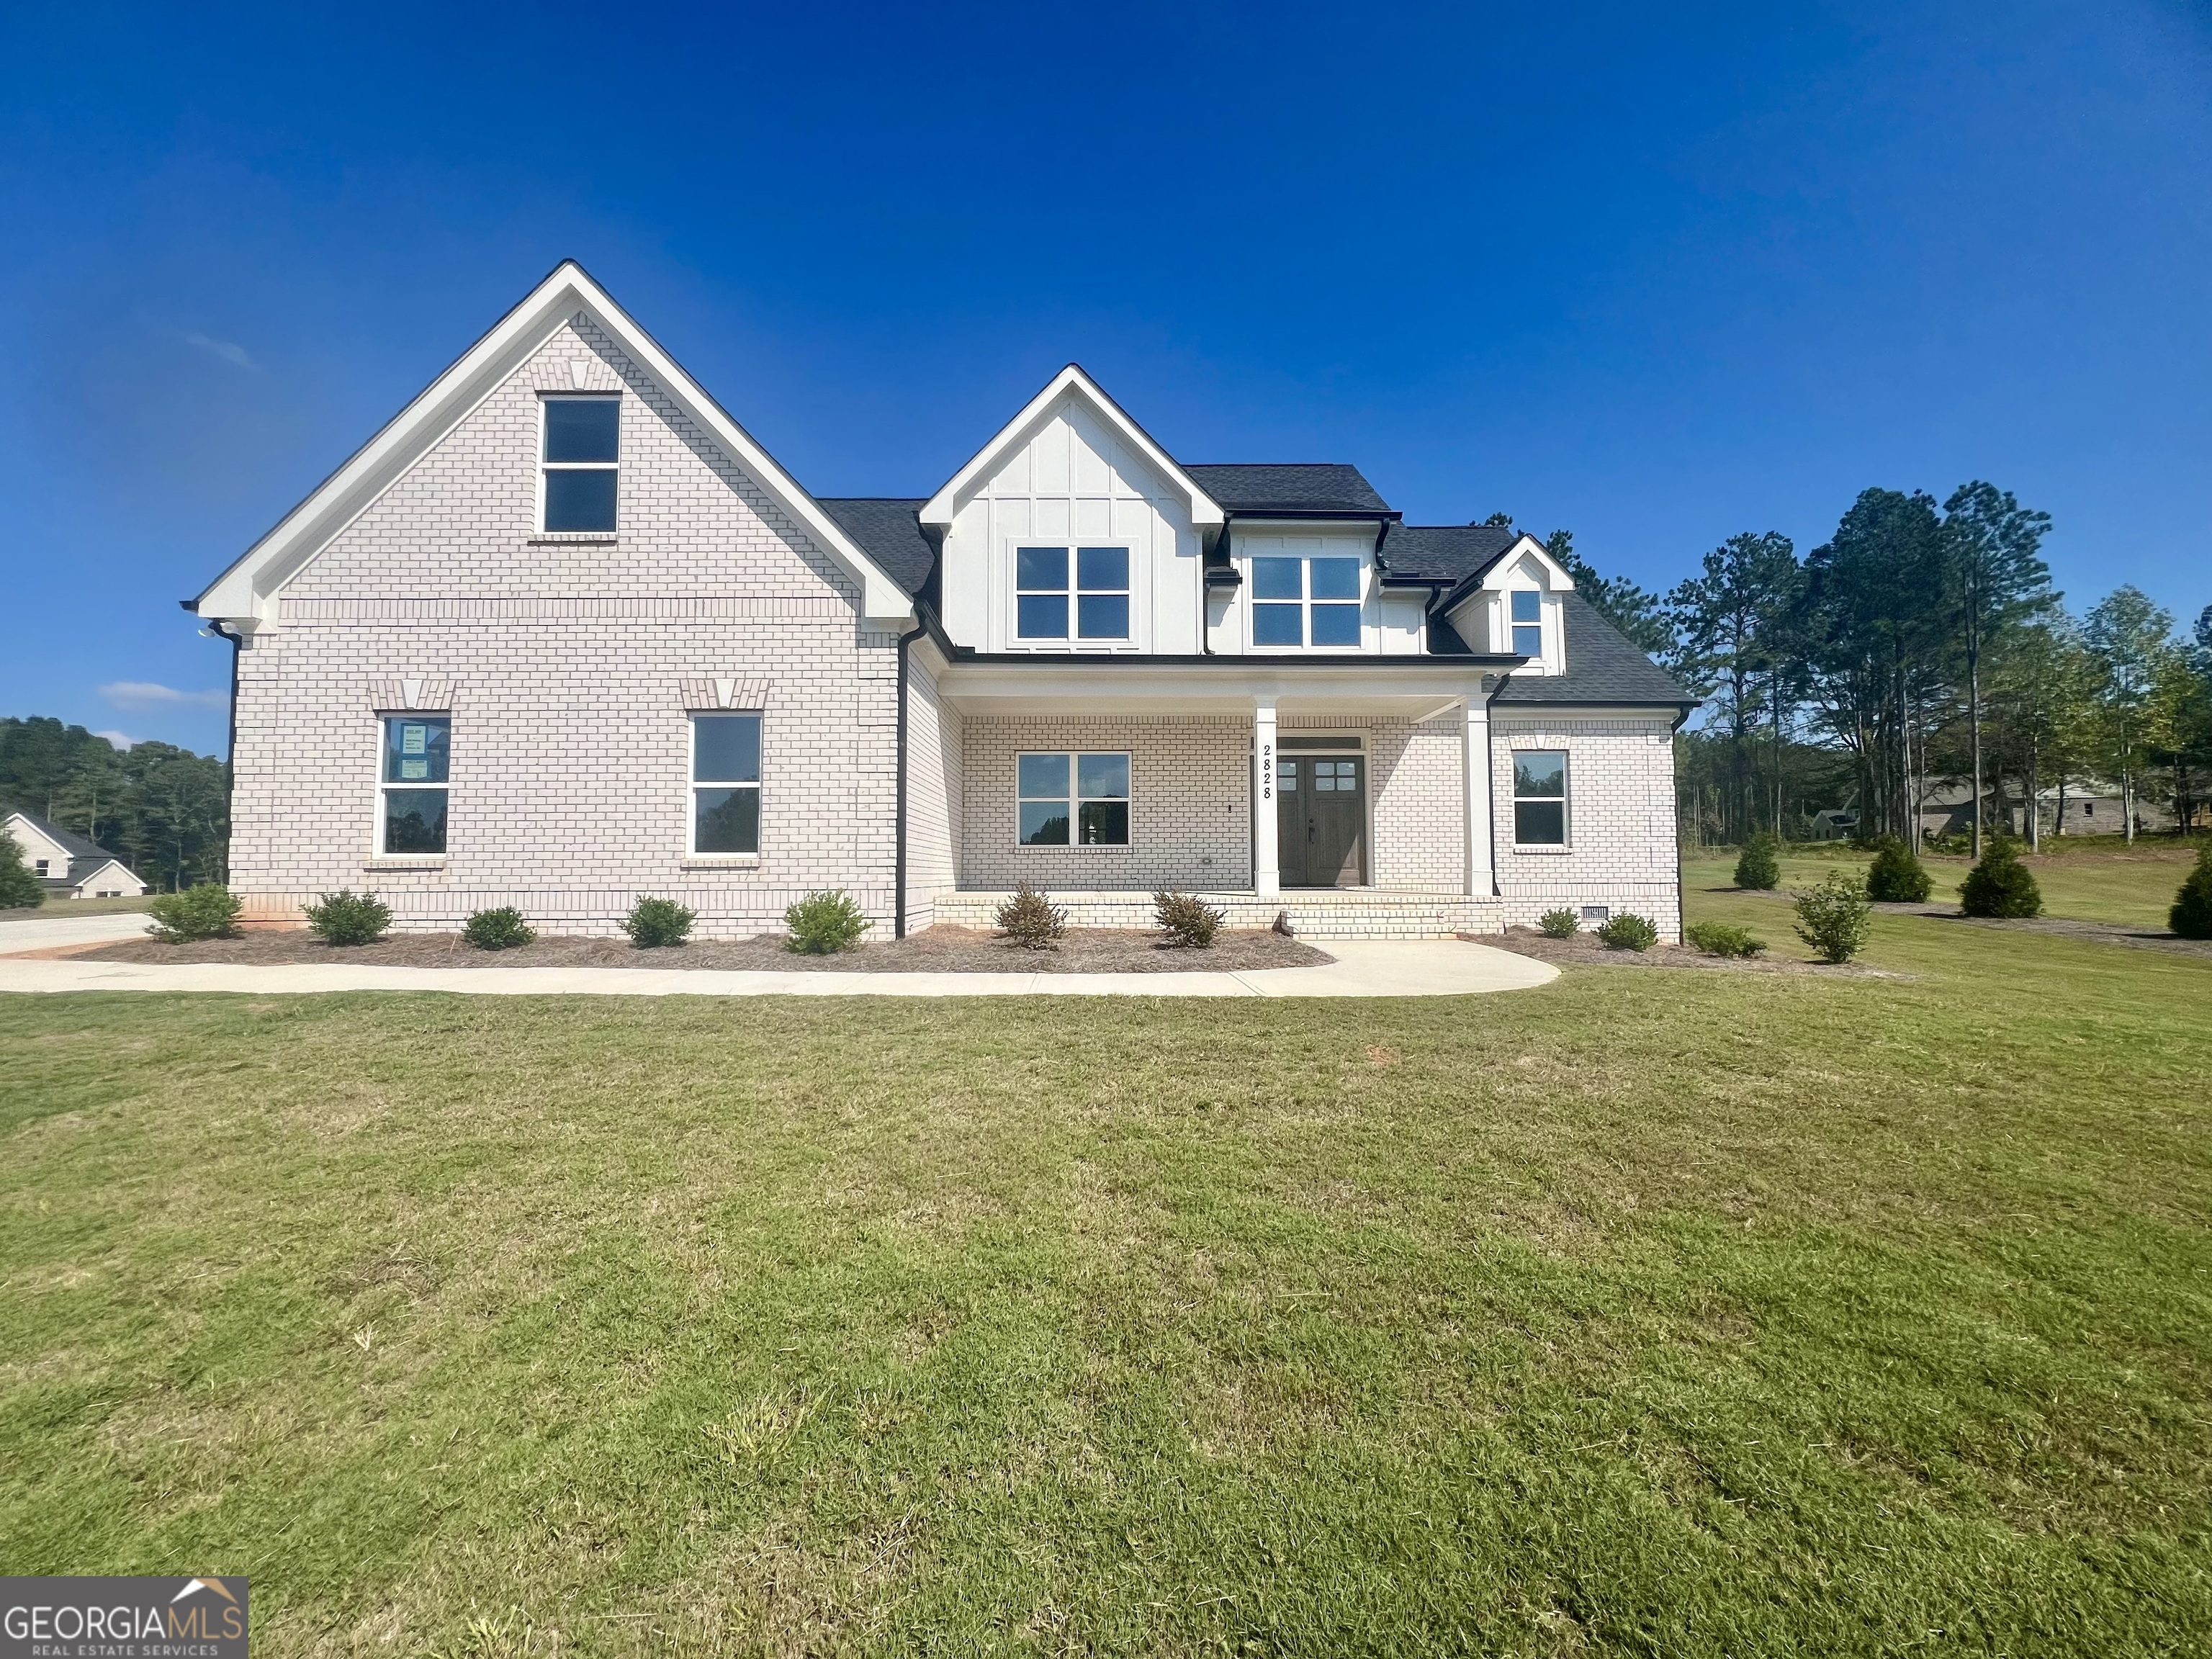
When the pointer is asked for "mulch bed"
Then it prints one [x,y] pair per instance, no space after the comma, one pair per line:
[935,950]
[1585,950]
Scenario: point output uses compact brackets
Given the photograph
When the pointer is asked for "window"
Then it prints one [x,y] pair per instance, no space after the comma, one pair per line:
[583,440]
[1097,806]
[412,787]
[1539,797]
[1528,623]
[1100,596]
[726,783]
[42,867]
[1300,602]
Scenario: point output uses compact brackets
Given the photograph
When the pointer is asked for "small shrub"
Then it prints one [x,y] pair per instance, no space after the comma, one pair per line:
[349,918]
[2001,885]
[822,924]
[1833,918]
[2191,915]
[1627,932]
[1717,938]
[20,886]
[652,923]
[1562,923]
[206,911]
[1031,920]
[503,929]
[1758,867]
[1186,922]
[1896,877]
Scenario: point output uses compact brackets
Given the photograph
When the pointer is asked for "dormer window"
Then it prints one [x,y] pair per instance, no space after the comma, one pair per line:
[1305,602]
[582,448]
[1097,601]
[1528,623]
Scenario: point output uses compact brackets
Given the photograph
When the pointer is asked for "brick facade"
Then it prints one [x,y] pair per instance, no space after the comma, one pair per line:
[1621,850]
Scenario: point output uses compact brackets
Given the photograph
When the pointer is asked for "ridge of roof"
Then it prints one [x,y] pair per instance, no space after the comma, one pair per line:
[77,845]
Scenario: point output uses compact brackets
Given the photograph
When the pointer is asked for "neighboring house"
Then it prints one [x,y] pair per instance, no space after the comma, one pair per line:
[563,634]
[68,865]
[2088,809]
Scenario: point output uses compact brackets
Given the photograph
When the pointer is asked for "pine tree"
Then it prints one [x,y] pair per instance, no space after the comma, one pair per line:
[1896,877]
[20,888]
[2191,915]
[2001,885]
[1759,868]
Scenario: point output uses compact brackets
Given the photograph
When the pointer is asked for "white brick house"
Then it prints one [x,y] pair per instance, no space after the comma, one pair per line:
[563,634]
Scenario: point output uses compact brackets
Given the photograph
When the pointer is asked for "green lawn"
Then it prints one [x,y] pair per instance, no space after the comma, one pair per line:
[1649,1313]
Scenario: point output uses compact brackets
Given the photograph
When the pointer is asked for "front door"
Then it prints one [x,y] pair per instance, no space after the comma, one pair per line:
[1321,820]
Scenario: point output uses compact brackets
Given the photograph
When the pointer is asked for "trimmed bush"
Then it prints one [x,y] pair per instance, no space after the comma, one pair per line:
[1896,877]
[1627,932]
[822,924]
[1562,923]
[1031,920]
[1186,922]
[1760,867]
[2001,885]
[1834,917]
[1717,938]
[653,923]
[503,929]
[207,911]
[2191,915]
[346,917]
[20,886]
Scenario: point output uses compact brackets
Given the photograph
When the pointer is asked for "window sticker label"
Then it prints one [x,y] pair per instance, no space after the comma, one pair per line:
[412,738]
[413,771]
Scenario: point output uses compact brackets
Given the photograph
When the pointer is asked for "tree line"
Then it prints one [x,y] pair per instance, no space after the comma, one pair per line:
[1922,642]
[165,809]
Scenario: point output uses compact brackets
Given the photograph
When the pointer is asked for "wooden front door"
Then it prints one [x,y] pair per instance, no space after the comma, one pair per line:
[1321,820]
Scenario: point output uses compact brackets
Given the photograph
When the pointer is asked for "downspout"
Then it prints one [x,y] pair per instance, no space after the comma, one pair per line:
[898,879]
[230,755]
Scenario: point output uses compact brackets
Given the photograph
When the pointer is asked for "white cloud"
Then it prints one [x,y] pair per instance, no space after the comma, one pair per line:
[229,350]
[118,740]
[142,695]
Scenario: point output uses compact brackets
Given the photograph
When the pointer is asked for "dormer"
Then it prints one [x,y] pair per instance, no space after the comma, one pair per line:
[1516,606]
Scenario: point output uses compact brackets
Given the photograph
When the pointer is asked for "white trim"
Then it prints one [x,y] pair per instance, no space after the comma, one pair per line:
[380,853]
[245,595]
[1481,837]
[1011,547]
[1075,799]
[1205,513]
[693,783]
[1306,602]
[545,466]
[1266,832]
[1565,798]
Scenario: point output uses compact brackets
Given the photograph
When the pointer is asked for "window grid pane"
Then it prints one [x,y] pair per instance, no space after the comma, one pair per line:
[580,498]
[1528,640]
[1102,570]
[1336,624]
[1041,570]
[726,820]
[583,429]
[726,748]
[416,748]
[1042,616]
[1278,624]
[1528,606]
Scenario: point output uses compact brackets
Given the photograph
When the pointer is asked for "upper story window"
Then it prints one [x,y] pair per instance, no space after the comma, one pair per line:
[1305,602]
[1096,601]
[581,453]
[411,787]
[1527,622]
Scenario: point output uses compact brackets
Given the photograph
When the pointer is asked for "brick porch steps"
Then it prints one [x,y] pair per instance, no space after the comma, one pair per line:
[1315,914]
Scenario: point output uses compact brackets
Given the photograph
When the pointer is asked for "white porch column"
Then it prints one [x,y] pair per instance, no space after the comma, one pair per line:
[1481,877]
[1266,864]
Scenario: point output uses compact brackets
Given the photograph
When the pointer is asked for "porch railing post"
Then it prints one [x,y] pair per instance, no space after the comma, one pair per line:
[1266,862]
[1481,877]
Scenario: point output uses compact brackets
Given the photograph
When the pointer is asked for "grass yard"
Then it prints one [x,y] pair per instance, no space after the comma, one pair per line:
[1647,1313]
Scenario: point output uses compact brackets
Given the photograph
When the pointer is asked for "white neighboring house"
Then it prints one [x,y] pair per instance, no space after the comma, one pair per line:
[68,865]
[563,634]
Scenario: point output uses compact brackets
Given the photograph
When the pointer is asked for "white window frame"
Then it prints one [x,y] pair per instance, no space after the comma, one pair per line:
[384,785]
[1071,641]
[1551,624]
[1565,798]
[694,783]
[545,466]
[1075,799]
[43,865]
[1305,603]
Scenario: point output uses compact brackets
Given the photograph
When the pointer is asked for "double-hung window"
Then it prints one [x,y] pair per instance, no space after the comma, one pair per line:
[1088,794]
[411,785]
[726,783]
[1539,797]
[1097,601]
[582,453]
[1305,602]
[1527,622]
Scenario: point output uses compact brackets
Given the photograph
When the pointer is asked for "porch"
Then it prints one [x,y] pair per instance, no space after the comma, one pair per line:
[1312,912]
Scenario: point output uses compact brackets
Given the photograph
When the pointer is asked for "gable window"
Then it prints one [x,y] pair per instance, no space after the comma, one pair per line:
[411,788]
[42,865]
[582,445]
[1305,602]
[726,783]
[1087,794]
[1539,797]
[1528,623]
[1097,602]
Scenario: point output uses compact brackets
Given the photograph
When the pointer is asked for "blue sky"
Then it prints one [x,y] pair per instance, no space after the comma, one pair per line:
[1655,278]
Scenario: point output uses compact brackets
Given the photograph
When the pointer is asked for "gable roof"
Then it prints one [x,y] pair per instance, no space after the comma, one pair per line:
[1204,512]
[1447,553]
[242,593]
[1603,666]
[1289,487]
[889,529]
[70,842]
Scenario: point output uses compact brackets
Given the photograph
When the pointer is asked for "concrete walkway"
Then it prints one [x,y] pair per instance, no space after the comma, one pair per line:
[1362,967]
[51,925]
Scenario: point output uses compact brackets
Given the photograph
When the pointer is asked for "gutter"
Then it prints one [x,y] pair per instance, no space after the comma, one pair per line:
[230,753]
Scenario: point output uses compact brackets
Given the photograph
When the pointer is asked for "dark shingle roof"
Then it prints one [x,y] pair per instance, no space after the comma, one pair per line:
[1602,667]
[1449,552]
[74,845]
[1286,487]
[888,529]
